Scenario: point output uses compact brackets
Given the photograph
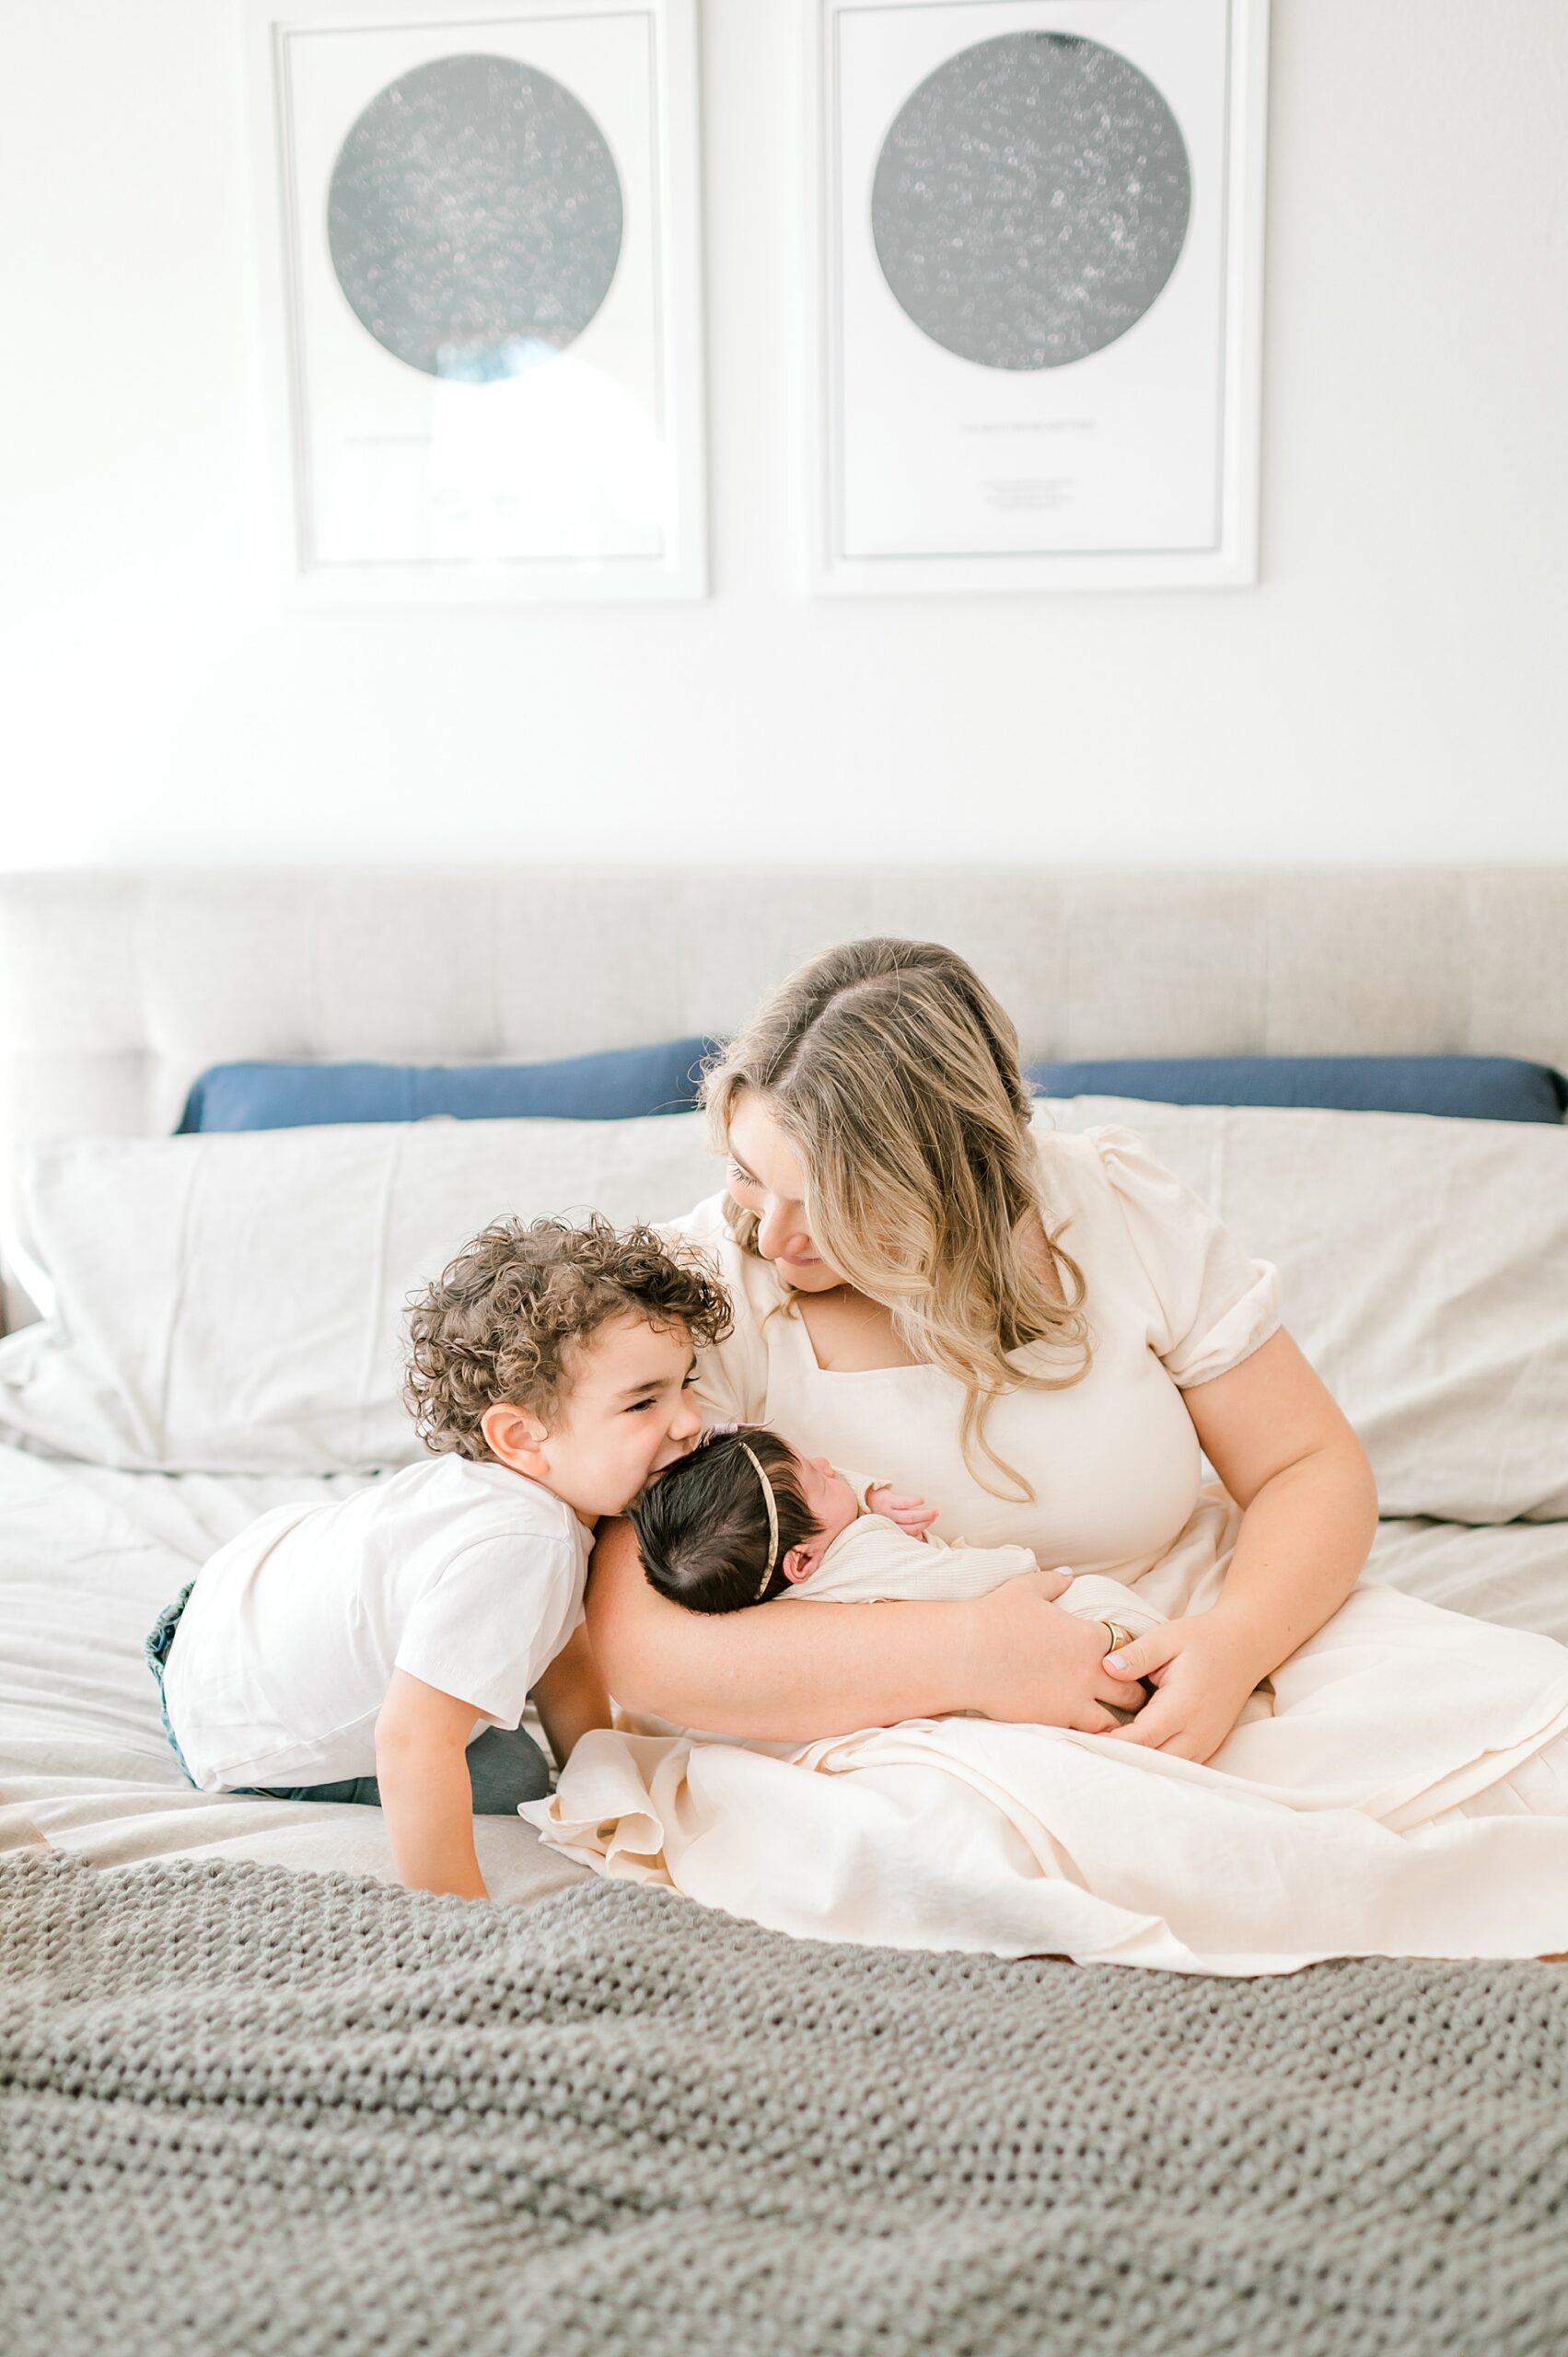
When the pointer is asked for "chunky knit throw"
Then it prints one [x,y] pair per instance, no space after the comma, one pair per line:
[247,2110]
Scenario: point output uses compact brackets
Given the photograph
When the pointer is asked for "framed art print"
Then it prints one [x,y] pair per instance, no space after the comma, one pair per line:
[480,229]
[1037,235]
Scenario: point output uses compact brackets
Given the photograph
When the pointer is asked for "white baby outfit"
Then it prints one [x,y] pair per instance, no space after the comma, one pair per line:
[466,1575]
[872,1560]
[1402,1790]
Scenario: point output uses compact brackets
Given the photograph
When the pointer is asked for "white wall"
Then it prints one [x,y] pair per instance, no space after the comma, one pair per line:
[1392,691]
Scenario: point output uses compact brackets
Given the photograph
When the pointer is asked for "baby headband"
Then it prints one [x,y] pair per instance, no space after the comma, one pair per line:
[769,1501]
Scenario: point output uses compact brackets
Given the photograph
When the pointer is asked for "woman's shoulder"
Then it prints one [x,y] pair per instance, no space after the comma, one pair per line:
[751,1280]
[1106,1180]
[732,1376]
[1215,1302]
[704,1223]
[1104,1159]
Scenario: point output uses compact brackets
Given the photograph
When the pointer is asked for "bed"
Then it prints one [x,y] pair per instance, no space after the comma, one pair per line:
[621,2166]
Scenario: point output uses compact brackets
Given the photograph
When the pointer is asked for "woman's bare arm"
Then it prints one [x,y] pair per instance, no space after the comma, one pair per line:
[1285,1452]
[569,1698]
[789,1672]
[1282,1445]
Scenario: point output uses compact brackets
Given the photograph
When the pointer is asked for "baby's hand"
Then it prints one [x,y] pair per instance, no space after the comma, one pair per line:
[910,1514]
[1057,1582]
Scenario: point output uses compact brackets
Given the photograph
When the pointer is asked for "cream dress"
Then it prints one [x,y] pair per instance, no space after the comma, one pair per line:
[1399,1787]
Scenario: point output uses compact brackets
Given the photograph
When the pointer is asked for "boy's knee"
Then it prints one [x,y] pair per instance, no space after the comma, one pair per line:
[506,1768]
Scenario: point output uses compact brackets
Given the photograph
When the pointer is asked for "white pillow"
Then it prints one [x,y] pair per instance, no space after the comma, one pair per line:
[1424,1269]
[233,1303]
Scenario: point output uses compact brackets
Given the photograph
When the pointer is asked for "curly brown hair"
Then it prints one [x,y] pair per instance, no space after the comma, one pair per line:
[501,1320]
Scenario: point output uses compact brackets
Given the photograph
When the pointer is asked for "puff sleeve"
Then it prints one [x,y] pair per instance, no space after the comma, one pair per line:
[1213,1306]
[732,1376]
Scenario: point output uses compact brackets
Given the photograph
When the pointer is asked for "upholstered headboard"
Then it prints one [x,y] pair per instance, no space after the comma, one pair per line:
[117,988]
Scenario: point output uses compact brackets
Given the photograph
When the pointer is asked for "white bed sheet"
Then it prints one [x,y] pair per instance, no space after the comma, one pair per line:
[1514,1572]
[87,1556]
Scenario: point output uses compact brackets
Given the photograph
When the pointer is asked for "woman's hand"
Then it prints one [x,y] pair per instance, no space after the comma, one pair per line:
[1203,1671]
[910,1514]
[1033,1662]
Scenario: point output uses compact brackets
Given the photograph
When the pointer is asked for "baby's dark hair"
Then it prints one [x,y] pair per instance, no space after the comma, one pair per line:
[702,1526]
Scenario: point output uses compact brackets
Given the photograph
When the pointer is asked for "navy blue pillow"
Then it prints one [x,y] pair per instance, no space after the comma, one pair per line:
[1470,1088]
[614,1087]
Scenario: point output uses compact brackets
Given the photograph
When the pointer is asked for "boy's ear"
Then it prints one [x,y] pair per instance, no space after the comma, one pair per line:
[513,1435]
[799,1565]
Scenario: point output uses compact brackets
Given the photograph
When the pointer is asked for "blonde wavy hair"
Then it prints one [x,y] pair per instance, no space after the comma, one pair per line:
[895,1075]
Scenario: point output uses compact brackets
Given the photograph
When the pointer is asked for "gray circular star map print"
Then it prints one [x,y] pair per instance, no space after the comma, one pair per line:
[1030,200]
[475,209]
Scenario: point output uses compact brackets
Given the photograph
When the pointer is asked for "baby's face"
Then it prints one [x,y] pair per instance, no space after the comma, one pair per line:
[830,1501]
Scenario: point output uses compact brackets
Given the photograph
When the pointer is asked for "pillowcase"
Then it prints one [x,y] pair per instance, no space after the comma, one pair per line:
[1475,1089]
[614,1087]
[235,1304]
[1424,1271]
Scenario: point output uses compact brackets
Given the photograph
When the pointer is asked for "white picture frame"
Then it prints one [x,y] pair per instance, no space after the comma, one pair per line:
[1133,465]
[432,442]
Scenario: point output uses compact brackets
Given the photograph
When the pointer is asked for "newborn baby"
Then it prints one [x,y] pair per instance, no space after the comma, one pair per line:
[744,1519]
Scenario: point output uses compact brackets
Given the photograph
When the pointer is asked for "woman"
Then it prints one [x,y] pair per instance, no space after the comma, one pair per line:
[1040,1333]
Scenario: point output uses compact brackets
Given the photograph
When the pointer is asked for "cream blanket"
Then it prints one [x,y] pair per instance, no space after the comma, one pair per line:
[1406,1795]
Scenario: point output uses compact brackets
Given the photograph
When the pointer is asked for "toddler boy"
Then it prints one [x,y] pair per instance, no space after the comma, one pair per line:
[382,1647]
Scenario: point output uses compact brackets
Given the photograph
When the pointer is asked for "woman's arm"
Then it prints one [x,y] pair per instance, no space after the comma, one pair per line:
[792,1671]
[1274,1435]
[569,1696]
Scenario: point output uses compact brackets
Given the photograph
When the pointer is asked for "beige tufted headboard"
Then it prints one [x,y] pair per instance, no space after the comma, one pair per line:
[117,988]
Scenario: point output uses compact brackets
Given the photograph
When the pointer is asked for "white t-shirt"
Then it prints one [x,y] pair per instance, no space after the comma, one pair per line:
[466,1575]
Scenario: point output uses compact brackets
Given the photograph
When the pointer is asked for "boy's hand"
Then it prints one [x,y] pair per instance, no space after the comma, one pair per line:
[910,1514]
[1203,1673]
[427,1798]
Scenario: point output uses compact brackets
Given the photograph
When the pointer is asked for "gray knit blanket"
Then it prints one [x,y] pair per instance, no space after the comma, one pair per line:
[243,2110]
